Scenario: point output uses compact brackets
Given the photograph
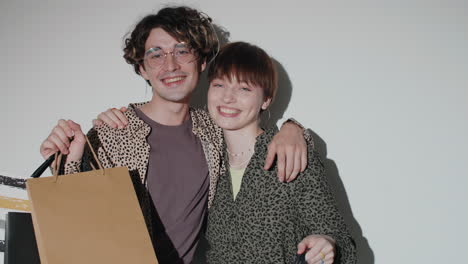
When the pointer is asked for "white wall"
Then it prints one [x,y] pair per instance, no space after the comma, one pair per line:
[384,84]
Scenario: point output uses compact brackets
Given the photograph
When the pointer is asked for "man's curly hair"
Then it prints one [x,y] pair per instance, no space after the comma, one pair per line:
[182,23]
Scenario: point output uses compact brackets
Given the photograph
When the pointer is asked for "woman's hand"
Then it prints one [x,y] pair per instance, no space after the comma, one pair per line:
[320,249]
[290,149]
[113,117]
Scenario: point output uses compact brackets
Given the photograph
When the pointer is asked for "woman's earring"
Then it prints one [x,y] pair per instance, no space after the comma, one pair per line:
[269,116]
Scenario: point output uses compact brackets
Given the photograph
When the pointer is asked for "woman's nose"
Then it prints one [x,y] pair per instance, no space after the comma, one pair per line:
[229,95]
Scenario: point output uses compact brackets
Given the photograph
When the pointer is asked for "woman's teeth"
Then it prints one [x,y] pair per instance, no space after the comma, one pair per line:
[228,111]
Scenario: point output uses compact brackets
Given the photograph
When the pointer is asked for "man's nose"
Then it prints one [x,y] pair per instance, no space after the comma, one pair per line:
[170,62]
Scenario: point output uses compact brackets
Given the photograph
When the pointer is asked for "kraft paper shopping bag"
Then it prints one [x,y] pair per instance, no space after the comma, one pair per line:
[89,217]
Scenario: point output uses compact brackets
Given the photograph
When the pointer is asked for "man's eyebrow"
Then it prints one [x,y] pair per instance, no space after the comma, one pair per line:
[152,50]
[181,44]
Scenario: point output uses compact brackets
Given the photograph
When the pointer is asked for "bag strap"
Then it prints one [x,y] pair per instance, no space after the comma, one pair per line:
[58,160]
[56,164]
[94,154]
[38,172]
[57,157]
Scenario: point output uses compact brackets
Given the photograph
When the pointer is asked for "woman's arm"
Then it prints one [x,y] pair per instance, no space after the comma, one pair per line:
[318,212]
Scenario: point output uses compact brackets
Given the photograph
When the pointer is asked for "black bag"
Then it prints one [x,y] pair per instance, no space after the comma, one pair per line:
[300,259]
[20,242]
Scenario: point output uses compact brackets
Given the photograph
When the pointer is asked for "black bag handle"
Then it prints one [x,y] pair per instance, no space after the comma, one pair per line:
[38,172]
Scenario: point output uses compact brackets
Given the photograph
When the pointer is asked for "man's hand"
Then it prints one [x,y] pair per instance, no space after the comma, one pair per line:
[67,138]
[321,249]
[113,117]
[290,149]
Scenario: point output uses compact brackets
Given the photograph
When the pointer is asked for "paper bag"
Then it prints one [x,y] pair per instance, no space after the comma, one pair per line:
[89,217]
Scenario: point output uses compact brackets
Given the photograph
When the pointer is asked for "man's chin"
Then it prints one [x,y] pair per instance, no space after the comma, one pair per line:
[178,98]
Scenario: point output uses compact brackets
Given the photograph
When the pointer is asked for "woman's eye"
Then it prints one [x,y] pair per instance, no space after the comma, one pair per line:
[247,89]
[217,85]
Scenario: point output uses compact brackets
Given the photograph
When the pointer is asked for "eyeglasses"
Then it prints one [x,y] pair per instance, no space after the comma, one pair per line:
[155,57]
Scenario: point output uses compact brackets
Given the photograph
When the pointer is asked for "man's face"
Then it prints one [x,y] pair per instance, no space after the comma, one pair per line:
[172,81]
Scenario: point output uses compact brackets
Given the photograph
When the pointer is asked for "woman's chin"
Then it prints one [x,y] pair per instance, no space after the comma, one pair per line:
[228,125]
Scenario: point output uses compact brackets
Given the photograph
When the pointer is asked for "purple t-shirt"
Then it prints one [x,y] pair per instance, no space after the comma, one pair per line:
[178,183]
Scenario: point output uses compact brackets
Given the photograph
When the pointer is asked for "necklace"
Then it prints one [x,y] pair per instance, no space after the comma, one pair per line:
[248,151]
[239,154]
[248,154]
[240,165]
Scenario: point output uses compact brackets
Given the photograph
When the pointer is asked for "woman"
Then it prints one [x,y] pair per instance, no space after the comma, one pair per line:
[254,218]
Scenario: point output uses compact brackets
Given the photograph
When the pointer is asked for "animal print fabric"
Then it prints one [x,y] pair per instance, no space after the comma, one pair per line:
[268,218]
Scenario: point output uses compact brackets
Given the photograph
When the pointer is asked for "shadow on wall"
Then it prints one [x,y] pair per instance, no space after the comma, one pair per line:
[365,255]
[280,103]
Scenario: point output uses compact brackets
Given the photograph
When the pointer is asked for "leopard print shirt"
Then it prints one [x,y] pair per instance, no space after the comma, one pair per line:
[268,218]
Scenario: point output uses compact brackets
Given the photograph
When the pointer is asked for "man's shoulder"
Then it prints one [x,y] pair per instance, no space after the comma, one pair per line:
[201,120]
[199,114]
[205,128]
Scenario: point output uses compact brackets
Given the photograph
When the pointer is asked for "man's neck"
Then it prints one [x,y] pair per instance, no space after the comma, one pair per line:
[166,113]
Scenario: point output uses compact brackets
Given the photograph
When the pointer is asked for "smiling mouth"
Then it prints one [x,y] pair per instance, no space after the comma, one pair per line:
[228,112]
[173,80]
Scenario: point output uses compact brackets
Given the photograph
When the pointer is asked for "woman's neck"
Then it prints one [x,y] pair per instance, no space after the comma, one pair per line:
[240,144]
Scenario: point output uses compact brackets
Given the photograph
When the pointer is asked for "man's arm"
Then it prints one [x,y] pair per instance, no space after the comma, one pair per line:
[289,147]
[68,138]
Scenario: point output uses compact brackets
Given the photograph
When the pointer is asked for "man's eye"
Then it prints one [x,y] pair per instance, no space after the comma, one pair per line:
[245,89]
[182,52]
[156,56]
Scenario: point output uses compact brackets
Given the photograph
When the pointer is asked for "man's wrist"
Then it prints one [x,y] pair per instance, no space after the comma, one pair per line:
[293,121]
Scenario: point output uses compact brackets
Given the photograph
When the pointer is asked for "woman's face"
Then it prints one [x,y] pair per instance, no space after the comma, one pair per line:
[235,105]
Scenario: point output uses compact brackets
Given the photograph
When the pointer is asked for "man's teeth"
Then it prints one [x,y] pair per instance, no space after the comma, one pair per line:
[171,80]
[228,111]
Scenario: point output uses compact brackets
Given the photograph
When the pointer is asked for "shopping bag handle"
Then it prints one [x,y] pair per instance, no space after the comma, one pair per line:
[40,170]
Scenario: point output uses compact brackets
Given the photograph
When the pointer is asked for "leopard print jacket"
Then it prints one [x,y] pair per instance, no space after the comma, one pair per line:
[268,218]
[129,148]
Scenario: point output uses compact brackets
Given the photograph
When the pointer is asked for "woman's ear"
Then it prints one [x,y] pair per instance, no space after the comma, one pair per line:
[266,103]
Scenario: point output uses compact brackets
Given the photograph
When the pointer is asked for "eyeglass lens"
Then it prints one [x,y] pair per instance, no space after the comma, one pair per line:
[155,57]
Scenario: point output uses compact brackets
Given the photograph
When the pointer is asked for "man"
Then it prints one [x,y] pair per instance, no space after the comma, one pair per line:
[173,152]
